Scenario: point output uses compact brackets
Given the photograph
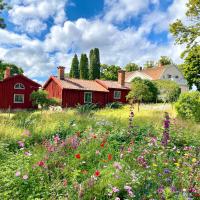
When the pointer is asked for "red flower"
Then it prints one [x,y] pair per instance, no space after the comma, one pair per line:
[64,182]
[97,173]
[102,144]
[109,157]
[78,156]
[41,163]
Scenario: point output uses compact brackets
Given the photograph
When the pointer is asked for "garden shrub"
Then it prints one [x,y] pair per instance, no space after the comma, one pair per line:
[86,108]
[114,105]
[188,105]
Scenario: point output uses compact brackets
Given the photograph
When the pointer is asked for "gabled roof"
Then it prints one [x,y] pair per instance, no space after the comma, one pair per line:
[155,73]
[114,85]
[21,76]
[78,84]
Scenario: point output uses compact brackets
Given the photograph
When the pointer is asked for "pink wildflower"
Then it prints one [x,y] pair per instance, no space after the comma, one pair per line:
[21,144]
[56,139]
[115,190]
[117,165]
[27,153]
[18,173]
[26,133]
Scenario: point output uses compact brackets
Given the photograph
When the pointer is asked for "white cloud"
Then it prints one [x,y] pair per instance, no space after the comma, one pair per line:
[30,15]
[122,10]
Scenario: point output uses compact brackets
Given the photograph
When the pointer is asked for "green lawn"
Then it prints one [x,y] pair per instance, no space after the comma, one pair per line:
[70,156]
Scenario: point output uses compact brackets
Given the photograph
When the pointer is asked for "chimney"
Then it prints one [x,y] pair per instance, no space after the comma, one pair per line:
[121,77]
[7,73]
[61,73]
[140,68]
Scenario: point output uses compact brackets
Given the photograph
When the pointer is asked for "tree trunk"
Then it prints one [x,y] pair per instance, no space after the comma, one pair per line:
[138,106]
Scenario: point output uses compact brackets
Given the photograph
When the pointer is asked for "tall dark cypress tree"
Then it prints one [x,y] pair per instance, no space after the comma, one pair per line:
[74,71]
[94,64]
[84,71]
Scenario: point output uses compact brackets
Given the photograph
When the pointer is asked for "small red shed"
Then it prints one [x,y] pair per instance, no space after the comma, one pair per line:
[15,91]
[76,91]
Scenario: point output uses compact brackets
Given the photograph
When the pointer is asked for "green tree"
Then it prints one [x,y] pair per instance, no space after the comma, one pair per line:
[191,67]
[130,67]
[164,60]
[109,72]
[169,91]
[3,6]
[94,71]
[40,98]
[188,34]
[14,69]
[84,71]
[140,91]
[74,71]
[149,64]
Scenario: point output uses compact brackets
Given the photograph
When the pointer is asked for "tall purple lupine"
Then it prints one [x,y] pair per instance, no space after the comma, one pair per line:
[131,116]
[165,137]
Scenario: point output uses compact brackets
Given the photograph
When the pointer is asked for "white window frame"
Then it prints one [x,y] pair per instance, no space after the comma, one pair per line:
[22,98]
[116,96]
[85,93]
[21,86]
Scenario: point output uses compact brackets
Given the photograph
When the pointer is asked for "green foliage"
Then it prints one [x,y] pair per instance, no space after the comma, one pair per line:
[114,105]
[164,60]
[14,69]
[40,98]
[84,70]
[109,72]
[149,64]
[88,108]
[74,71]
[191,67]
[188,34]
[130,67]
[3,6]
[94,70]
[142,90]
[169,91]
[188,105]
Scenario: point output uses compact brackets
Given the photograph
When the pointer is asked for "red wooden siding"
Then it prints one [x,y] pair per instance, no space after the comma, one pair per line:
[53,89]
[7,92]
[124,93]
[71,98]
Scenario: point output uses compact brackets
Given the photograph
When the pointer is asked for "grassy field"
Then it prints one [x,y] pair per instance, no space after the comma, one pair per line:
[65,155]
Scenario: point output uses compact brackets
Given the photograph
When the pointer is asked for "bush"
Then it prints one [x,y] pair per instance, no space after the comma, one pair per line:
[188,105]
[86,108]
[114,105]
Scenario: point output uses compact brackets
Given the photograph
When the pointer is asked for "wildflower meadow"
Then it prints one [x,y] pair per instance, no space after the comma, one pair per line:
[109,154]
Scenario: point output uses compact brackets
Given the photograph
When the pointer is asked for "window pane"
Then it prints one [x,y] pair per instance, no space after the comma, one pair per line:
[88,97]
[18,98]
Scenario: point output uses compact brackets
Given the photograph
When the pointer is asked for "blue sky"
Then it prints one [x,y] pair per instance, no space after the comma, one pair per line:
[41,35]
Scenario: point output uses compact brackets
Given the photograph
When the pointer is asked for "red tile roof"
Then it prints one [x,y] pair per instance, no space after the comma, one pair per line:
[155,72]
[79,84]
[114,85]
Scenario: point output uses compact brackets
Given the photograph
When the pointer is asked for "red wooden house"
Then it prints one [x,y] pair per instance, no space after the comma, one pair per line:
[15,91]
[76,91]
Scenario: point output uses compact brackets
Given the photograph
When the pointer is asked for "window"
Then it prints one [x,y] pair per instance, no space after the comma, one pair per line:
[176,77]
[19,86]
[169,76]
[18,98]
[88,97]
[117,94]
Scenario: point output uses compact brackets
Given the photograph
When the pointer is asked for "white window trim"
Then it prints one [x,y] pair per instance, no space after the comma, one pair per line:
[115,95]
[19,102]
[85,98]
[19,88]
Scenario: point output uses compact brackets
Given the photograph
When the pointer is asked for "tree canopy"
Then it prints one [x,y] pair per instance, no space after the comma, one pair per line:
[14,69]
[74,71]
[109,72]
[94,70]
[130,67]
[188,33]
[84,70]
[149,64]
[3,6]
[164,60]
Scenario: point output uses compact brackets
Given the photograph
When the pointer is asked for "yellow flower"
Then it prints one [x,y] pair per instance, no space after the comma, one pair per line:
[177,164]
[194,160]
[154,165]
